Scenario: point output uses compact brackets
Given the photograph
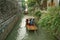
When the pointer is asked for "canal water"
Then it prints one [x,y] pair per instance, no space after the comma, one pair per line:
[21,33]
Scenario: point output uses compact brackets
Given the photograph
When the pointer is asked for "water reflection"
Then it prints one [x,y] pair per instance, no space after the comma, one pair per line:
[22,30]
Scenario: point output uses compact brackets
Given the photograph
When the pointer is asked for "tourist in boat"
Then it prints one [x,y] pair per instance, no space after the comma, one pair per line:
[31,21]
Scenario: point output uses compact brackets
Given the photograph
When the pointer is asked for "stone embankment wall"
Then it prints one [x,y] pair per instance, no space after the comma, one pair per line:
[9,15]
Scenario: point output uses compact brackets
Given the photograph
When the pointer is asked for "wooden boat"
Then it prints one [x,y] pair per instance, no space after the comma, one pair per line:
[30,27]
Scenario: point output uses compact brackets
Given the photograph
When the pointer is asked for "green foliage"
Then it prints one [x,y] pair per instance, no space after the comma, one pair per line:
[50,21]
[37,14]
[31,4]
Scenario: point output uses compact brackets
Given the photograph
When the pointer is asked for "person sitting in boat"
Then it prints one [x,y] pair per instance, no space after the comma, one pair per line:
[26,21]
[31,21]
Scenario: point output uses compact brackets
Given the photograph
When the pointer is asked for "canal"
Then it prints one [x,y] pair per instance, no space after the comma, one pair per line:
[20,33]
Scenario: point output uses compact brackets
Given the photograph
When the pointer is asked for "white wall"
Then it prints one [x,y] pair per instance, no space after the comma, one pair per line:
[55,1]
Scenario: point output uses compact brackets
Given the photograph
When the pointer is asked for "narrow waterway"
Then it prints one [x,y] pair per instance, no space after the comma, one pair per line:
[20,33]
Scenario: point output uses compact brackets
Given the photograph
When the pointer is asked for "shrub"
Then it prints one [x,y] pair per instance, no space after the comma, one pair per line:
[50,21]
